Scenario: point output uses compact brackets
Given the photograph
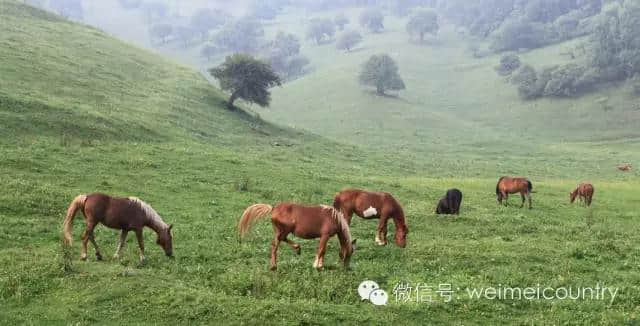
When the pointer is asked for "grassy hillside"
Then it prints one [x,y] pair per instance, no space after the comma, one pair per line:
[83,112]
[455,106]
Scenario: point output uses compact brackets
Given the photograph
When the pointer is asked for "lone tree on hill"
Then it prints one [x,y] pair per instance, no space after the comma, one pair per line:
[348,40]
[246,78]
[381,72]
[423,22]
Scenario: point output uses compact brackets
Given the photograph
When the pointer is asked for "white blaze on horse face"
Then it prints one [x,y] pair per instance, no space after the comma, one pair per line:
[379,297]
[365,288]
[371,211]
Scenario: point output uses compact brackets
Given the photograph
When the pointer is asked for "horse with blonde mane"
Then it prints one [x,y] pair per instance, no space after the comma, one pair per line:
[369,205]
[307,222]
[584,191]
[509,185]
[126,214]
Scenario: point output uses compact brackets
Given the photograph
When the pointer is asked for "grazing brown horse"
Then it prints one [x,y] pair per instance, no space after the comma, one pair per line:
[585,192]
[307,222]
[369,205]
[508,185]
[624,167]
[126,214]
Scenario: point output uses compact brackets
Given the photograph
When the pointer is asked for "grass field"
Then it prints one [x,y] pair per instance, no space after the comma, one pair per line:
[82,112]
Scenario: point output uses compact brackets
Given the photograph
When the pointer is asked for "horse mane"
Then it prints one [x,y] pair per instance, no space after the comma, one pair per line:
[152,216]
[339,218]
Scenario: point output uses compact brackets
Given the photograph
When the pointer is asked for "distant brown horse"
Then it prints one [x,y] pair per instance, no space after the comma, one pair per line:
[369,205]
[508,185]
[584,191]
[624,167]
[307,222]
[126,214]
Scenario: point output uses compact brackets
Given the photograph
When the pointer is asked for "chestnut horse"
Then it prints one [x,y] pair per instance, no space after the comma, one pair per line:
[126,214]
[369,205]
[508,185]
[307,222]
[585,192]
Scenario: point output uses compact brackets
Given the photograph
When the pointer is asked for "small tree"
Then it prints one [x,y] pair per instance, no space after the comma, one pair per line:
[287,44]
[423,22]
[381,72]
[508,64]
[341,20]
[161,32]
[246,78]
[242,35]
[372,19]
[320,29]
[348,40]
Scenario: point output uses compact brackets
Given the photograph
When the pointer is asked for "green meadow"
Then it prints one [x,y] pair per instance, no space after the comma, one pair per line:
[82,112]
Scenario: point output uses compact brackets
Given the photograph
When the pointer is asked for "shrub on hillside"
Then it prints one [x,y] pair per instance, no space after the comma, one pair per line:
[508,64]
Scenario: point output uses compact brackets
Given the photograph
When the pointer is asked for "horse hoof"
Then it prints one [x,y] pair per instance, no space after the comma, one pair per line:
[273,268]
[98,257]
[83,258]
[298,251]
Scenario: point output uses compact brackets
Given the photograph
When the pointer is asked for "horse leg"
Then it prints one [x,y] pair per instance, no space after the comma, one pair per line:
[293,245]
[123,239]
[529,197]
[322,248]
[348,214]
[505,196]
[85,239]
[523,199]
[140,244]
[274,249]
[381,232]
[95,245]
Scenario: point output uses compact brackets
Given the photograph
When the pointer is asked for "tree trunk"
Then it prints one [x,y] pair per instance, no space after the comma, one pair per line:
[233,98]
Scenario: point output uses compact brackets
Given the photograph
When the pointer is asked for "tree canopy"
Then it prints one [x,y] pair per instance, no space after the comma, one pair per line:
[348,40]
[321,29]
[246,78]
[422,22]
[381,72]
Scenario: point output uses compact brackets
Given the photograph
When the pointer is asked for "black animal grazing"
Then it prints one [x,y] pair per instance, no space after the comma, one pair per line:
[450,203]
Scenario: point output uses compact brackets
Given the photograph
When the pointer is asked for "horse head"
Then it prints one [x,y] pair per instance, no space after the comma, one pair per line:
[165,240]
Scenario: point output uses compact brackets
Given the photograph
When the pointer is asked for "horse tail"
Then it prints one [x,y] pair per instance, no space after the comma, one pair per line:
[76,204]
[252,213]
[498,185]
[530,186]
